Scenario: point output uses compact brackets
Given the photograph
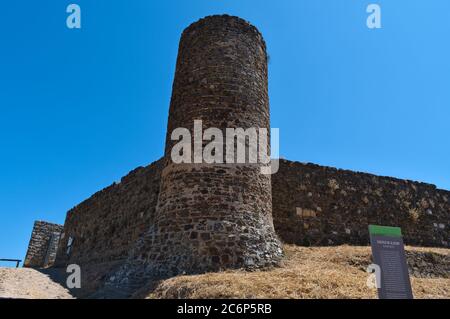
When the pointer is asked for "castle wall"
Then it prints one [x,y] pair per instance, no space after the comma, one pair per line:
[317,205]
[312,205]
[43,245]
[105,226]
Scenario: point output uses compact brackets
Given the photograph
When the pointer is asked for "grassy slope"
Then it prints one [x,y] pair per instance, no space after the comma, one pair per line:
[317,272]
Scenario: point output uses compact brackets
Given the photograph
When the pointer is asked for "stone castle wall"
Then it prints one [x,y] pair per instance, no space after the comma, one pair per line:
[317,205]
[43,245]
[104,227]
[312,205]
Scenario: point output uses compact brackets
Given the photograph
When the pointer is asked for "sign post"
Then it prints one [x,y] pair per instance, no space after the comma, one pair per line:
[389,254]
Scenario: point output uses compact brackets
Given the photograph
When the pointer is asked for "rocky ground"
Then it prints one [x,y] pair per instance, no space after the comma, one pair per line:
[307,272]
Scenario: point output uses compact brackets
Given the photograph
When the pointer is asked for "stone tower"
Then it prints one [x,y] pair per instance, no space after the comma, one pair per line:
[216,216]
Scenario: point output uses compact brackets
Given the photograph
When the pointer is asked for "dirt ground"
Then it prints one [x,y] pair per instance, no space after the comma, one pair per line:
[26,283]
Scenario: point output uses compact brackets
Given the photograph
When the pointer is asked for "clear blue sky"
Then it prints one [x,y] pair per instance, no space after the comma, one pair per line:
[81,108]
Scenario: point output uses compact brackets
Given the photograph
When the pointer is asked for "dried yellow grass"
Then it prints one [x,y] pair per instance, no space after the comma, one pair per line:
[317,272]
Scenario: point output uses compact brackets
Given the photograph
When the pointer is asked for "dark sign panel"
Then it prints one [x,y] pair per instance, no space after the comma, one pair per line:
[389,254]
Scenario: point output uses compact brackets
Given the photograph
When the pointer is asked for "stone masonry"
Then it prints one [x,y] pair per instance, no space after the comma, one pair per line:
[216,216]
[105,228]
[43,245]
[317,205]
[312,205]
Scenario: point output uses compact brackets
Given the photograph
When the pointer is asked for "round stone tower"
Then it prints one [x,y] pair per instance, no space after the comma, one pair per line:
[217,215]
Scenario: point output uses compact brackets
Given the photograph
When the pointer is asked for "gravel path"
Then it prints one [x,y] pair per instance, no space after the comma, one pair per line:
[26,283]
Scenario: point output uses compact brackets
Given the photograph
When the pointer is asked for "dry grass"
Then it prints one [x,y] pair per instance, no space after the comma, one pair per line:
[318,272]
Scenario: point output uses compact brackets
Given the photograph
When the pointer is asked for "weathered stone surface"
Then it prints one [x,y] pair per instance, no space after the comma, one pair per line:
[317,205]
[312,205]
[212,216]
[106,226]
[221,79]
[43,245]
